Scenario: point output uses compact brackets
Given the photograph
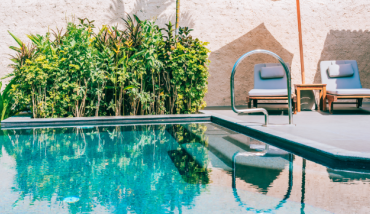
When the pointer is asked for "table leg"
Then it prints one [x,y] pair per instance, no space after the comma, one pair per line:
[323,101]
[320,100]
[298,92]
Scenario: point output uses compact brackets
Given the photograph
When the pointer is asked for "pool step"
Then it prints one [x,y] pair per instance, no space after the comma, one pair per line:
[223,144]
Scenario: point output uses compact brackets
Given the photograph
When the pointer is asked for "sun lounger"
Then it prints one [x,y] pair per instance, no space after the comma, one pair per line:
[343,82]
[270,83]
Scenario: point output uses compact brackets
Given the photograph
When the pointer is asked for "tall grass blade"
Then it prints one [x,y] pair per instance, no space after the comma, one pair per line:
[20,43]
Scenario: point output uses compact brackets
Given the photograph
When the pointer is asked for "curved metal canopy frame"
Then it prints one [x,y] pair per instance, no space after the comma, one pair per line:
[261,109]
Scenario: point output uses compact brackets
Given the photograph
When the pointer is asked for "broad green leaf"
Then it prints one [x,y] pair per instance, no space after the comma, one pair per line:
[36,39]
[8,75]
[129,87]
[7,89]
[20,43]
[136,55]
[5,106]
[1,98]
[15,49]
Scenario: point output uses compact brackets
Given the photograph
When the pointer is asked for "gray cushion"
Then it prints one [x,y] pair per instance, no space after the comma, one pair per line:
[351,82]
[259,83]
[268,92]
[350,92]
[274,72]
[341,70]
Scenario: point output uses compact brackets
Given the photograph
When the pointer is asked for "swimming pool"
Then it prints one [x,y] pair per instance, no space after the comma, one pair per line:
[172,168]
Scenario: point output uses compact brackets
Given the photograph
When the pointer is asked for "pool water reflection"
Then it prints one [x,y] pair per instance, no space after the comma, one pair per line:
[180,168]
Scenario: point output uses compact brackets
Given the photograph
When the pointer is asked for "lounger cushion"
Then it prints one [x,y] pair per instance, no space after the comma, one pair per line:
[274,72]
[350,92]
[341,70]
[268,92]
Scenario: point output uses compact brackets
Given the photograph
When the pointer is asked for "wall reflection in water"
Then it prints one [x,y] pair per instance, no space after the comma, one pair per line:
[265,169]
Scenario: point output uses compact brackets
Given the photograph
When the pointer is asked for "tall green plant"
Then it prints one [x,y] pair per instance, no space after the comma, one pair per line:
[187,71]
[136,71]
[5,102]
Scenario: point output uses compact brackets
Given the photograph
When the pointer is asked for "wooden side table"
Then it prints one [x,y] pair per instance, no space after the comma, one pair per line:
[302,87]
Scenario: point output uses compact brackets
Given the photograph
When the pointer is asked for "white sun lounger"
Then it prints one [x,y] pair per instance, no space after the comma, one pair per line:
[270,83]
[343,82]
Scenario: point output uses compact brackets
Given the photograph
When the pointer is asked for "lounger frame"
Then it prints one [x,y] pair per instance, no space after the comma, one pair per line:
[279,83]
[350,82]
[334,98]
[254,100]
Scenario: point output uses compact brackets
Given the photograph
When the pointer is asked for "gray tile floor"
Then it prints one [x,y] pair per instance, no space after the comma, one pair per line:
[347,129]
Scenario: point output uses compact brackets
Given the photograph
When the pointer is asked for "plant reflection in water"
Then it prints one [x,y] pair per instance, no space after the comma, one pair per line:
[122,167]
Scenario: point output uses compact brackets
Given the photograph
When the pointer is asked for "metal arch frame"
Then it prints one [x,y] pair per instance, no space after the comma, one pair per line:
[264,111]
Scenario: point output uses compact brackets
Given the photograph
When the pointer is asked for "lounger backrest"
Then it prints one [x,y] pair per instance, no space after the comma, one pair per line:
[270,83]
[340,82]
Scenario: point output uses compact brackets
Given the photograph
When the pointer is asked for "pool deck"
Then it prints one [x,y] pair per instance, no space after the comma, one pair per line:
[342,135]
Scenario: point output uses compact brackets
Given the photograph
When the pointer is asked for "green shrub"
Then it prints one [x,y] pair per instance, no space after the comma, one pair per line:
[136,71]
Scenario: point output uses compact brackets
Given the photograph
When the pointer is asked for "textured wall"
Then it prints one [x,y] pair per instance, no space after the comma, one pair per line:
[332,29]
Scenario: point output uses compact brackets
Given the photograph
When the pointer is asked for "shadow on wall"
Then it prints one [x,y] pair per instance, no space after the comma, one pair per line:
[150,9]
[348,45]
[116,11]
[222,62]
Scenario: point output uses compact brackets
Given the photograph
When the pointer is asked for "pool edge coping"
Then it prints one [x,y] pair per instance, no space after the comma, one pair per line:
[27,122]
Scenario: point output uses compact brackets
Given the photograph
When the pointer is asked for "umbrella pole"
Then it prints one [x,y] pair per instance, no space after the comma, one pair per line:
[177,17]
[300,40]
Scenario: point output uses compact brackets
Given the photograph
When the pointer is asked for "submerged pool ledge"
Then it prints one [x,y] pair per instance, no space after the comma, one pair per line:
[324,154]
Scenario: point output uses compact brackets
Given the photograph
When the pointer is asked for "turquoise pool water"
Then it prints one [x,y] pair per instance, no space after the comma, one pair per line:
[180,168]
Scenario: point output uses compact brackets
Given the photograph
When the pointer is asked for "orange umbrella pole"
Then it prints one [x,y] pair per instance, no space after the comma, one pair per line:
[300,41]
[177,17]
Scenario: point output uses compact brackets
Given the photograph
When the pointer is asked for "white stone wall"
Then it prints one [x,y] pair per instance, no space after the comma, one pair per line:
[332,29]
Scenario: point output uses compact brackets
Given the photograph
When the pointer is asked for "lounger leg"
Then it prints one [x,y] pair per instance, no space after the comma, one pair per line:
[359,102]
[331,106]
[255,103]
[294,101]
[323,100]
[249,101]
[331,100]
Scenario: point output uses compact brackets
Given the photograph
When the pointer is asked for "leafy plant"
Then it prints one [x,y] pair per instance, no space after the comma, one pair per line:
[136,71]
[24,53]
[186,64]
[5,102]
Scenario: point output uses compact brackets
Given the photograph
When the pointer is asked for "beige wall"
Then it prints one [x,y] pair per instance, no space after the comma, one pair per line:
[332,29]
